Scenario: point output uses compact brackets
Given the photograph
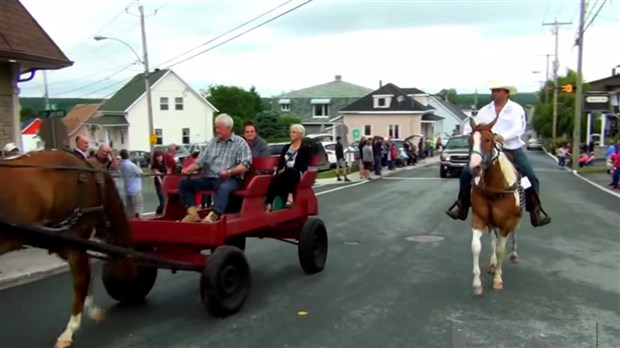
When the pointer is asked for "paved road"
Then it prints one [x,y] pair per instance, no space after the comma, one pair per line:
[380,290]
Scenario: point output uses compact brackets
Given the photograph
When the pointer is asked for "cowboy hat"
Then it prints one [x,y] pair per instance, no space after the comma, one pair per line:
[10,147]
[498,85]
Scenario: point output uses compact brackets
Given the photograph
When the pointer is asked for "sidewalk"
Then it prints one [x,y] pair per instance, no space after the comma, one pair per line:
[31,264]
[355,177]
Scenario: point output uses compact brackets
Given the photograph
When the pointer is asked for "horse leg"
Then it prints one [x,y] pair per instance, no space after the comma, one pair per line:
[498,284]
[95,313]
[476,248]
[493,261]
[514,257]
[80,273]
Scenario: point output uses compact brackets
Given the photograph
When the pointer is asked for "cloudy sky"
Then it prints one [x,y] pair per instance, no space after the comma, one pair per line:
[413,43]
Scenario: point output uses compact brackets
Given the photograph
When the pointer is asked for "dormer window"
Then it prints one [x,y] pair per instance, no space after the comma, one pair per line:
[382,101]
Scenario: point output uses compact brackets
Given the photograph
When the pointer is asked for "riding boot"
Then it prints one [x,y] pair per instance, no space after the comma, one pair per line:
[460,209]
[538,217]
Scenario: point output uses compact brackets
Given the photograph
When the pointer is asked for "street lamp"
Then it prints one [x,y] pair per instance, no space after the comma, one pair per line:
[147,85]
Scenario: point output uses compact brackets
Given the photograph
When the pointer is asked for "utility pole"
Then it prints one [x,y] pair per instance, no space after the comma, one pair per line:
[556,66]
[147,84]
[546,78]
[579,89]
[46,94]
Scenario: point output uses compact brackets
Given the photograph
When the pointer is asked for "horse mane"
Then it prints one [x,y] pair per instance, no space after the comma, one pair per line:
[507,168]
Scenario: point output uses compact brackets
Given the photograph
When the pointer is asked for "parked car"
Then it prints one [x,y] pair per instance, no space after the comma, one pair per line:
[196,147]
[275,149]
[534,144]
[330,149]
[323,137]
[455,156]
[180,156]
[140,158]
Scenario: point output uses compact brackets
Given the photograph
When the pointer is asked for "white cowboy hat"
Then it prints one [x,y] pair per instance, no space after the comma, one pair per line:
[499,85]
[10,147]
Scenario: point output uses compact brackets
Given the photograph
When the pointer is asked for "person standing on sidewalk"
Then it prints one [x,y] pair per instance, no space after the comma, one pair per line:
[132,177]
[360,148]
[341,164]
[367,157]
[377,151]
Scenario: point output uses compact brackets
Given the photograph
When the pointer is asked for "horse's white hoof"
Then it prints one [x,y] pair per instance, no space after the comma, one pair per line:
[63,343]
[498,285]
[491,269]
[478,290]
[97,314]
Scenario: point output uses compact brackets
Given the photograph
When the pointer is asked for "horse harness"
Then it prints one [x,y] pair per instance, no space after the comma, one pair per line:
[80,211]
[488,193]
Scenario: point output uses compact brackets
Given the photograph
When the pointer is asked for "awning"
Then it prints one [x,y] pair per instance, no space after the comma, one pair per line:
[284,101]
[320,101]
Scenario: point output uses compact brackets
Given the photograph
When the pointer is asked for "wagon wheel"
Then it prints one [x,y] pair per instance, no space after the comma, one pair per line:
[237,241]
[131,291]
[225,281]
[312,247]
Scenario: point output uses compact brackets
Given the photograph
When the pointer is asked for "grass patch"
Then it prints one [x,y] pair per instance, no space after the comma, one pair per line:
[328,174]
[593,170]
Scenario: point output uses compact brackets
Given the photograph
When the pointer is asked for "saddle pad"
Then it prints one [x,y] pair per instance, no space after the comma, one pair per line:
[521,191]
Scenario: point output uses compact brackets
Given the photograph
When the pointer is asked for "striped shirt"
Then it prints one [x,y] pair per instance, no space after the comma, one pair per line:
[223,155]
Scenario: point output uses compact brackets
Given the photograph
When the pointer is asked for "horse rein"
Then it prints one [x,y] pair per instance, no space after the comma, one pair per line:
[488,161]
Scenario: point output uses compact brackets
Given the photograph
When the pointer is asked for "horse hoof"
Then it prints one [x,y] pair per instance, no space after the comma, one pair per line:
[514,258]
[491,269]
[63,343]
[498,285]
[97,314]
[478,291]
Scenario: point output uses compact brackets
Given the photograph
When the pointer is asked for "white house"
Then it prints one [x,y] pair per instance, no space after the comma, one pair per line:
[452,115]
[180,114]
[30,135]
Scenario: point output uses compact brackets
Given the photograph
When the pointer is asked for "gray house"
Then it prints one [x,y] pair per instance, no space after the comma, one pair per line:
[319,106]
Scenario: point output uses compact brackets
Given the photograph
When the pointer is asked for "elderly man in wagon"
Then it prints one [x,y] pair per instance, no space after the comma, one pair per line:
[508,129]
[224,161]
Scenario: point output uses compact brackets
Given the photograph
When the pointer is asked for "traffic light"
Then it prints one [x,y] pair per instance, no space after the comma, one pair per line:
[568,88]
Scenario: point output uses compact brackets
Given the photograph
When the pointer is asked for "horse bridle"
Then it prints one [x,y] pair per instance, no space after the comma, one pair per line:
[79,211]
[488,160]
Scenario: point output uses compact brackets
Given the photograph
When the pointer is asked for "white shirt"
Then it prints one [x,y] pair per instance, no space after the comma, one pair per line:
[510,123]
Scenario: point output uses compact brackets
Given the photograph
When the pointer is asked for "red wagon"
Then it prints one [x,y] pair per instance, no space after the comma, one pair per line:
[216,249]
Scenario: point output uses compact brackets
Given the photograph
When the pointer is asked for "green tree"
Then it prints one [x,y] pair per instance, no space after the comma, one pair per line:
[233,100]
[449,94]
[543,116]
[273,127]
[26,113]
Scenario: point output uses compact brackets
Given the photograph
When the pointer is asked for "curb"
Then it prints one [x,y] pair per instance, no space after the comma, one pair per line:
[575,173]
[30,277]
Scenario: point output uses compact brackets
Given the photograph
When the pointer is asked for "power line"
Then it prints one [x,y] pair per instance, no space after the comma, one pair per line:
[594,17]
[227,32]
[98,81]
[81,78]
[107,87]
[240,34]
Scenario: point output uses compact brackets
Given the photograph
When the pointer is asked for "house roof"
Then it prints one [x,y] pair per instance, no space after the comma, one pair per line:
[606,83]
[79,115]
[413,91]
[450,106]
[333,89]
[431,117]
[131,91]
[407,104]
[23,39]
[31,126]
[108,120]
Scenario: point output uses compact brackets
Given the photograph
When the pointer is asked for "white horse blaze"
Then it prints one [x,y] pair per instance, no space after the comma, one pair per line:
[475,158]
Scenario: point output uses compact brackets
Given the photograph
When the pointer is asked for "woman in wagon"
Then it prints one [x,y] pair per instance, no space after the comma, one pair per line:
[224,161]
[158,167]
[294,161]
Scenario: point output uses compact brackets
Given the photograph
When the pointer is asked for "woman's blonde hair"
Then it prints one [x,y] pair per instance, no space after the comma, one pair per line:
[298,127]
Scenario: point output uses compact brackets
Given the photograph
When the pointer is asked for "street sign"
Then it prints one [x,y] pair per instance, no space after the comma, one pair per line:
[596,102]
[153,138]
[356,134]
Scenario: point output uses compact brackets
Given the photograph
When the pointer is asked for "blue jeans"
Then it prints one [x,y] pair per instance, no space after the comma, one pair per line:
[188,189]
[615,178]
[520,161]
[378,165]
[160,198]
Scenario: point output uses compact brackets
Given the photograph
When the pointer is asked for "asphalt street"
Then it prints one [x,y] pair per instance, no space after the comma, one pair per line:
[378,288]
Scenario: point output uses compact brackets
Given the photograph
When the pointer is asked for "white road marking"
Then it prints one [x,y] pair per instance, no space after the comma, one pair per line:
[415,178]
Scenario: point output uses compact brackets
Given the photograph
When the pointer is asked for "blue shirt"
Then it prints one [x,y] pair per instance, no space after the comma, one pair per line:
[132,177]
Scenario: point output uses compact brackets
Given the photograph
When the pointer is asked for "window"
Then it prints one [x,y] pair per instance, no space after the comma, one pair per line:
[394,131]
[321,110]
[178,103]
[160,135]
[367,130]
[381,102]
[163,103]
[185,136]
[285,107]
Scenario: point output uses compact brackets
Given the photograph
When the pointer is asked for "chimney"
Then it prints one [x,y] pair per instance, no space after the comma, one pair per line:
[613,72]
[380,83]
[338,77]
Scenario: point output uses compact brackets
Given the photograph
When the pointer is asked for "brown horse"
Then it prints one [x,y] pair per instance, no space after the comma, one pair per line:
[58,190]
[496,201]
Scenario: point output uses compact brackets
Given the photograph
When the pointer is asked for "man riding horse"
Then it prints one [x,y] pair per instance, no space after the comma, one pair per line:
[508,129]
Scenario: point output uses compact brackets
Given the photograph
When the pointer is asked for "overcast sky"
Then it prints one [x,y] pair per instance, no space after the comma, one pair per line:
[425,44]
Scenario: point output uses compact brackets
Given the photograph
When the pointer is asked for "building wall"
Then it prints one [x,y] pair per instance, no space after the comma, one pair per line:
[196,115]
[9,105]
[408,124]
